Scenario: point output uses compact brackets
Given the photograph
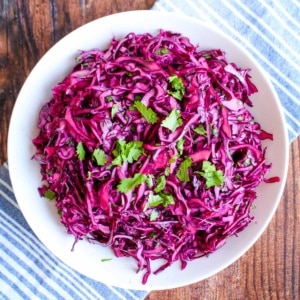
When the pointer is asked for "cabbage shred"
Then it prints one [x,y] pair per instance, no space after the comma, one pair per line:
[148,147]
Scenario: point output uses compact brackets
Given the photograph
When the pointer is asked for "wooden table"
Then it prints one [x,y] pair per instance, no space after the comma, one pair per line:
[270,269]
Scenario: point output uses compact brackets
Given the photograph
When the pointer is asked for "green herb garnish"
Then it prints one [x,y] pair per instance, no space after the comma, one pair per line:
[178,89]
[183,170]
[154,215]
[49,194]
[162,51]
[148,113]
[179,145]
[99,156]
[173,120]
[105,259]
[127,152]
[127,184]
[114,110]
[80,151]
[158,199]
[161,183]
[200,130]
[213,177]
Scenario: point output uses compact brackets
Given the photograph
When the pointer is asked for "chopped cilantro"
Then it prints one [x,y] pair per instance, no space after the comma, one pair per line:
[200,129]
[49,194]
[99,156]
[162,51]
[127,152]
[80,151]
[178,89]
[154,215]
[213,177]
[207,56]
[105,259]
[161,183]
[138,97]
[173,120]
[109,98]
[161,198]
[149,180]
[247,162]
[148,113]
[127,184]
[183,171]
[167,171]
[173,159]
[214,131]
[114,110]
[179,145]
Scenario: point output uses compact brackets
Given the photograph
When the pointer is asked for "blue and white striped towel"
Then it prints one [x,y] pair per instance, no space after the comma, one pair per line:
[270,30]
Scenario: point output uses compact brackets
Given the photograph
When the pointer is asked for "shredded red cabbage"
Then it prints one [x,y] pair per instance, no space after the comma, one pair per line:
[147,147]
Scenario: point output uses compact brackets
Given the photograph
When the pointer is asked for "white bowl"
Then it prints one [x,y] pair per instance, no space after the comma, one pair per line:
[41,214]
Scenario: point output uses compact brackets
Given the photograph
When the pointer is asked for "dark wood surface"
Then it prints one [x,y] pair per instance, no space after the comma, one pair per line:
[270,269]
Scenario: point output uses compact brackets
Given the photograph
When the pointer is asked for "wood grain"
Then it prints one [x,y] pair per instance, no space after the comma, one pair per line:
[28,28]
[270,269]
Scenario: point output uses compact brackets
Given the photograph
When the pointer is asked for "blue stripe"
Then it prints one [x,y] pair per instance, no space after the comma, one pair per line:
[286,73]
[3,296]
[45,257]
[42,260]
[15,287]
[21,278]
[31,272]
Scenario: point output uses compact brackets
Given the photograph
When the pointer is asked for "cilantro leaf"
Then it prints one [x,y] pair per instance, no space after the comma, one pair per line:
[173,120]
[99,156]
[80,151]
[179,145]
[167,171]
[127,184]
[173,159]
[161,198]
[154,215]
[154,200]
[213,177]
[49,194]
[127,152]
[114,110]
[183,170]
[149,180]
[200,130]
[105,259]
[161,183]
[162,51]
[148,113]
[178,89]
[166,199]
[134,150]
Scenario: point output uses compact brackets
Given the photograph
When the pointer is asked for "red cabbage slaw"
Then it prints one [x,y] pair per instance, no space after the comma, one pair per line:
[148,147]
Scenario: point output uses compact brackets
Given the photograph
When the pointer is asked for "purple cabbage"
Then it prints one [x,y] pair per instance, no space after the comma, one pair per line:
[138,68]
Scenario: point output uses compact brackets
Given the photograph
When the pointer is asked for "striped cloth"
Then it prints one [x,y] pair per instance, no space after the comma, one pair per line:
[269,30]
[29,271]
